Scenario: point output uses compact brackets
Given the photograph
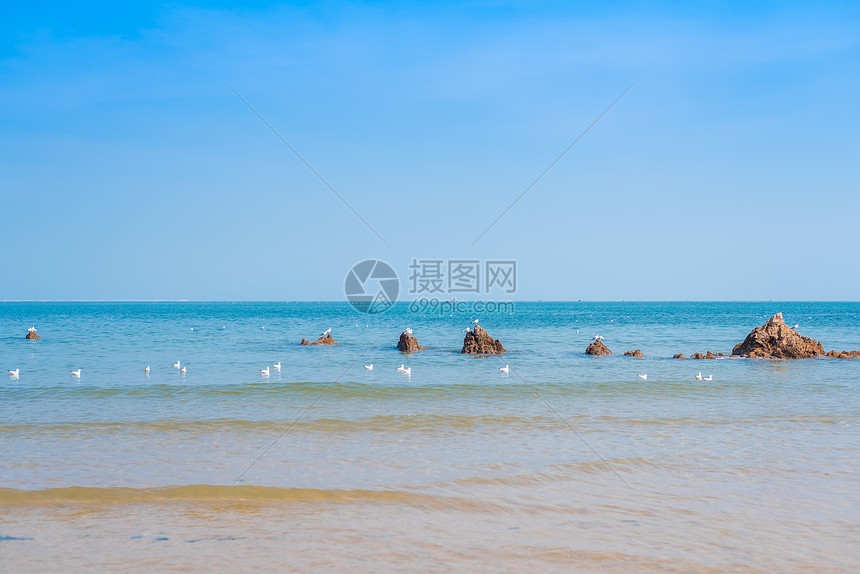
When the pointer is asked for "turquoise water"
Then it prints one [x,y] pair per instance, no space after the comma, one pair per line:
[457,466]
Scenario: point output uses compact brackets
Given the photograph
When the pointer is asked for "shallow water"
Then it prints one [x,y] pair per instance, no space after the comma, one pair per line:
[568,462]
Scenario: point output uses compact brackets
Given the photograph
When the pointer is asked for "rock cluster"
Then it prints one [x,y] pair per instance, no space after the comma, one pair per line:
[844,354]
[327,340]
[679,356]
[708,355]
[775,340]
[597,348]
[479,342]
[408,343]
[636,353]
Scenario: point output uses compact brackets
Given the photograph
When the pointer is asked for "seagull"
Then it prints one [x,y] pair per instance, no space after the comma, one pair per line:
[598,337]
[14,374]
[467,330]
[401,369]
[326,332]
[795,327]
[183,370]
[475,322]
[369,367]
[408,331]
[277,366]
[407,371]
[506,369]
[709,378]
[643,377]
[146,370]
[264,372]
[176,365]
[31,330]
[699,376]
[76,373]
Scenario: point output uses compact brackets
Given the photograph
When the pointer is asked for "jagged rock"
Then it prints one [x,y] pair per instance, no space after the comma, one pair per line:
[408,343]
[32,335]
[679,356]
[327,340]
[636,353]
[774,340]
[597,348]
[844,354]
[709,355]
[479,342]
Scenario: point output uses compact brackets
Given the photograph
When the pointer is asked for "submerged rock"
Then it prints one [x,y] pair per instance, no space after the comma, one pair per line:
[636,353]
[408,343]
[775,340]
[679,356]
[708,355]
[327,340]
[597,348]
[843,354]
[479,342]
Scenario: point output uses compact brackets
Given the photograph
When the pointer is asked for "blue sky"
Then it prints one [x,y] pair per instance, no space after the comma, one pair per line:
[128,169]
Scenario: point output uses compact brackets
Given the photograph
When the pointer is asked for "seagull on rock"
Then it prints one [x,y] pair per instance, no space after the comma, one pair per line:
[408,331]
[475,322]
[326,332]
[598,338]
[467,330]
[31,330]
[506,369]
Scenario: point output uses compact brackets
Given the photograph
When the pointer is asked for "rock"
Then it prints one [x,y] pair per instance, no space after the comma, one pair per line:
[32,335]
[479,342]
[327,340]
[708,355]
[774,340]
[636,353]
[843,354]
[679,356]
[597,348]
[408,343]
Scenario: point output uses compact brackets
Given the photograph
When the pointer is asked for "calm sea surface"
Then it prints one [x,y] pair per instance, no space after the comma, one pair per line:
[568,463]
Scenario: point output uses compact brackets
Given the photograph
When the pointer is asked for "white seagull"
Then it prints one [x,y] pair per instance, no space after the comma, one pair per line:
[146,370]
[699,376]
[643,377]
[369,367]
[407,371]
[709,378]
[31,330]
[467,330]
[598,337]
[14,374]
[176,365]
[326,332]
[76,373]
[506,369]
[183,370]
[475,322]
[401,368]
[264,372]
[794,328]
[408,331]
[277,366]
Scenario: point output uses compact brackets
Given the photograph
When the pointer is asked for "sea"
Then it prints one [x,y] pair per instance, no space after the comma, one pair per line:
[567,463]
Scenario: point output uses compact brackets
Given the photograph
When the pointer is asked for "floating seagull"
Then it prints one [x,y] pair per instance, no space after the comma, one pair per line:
[369,367]
[326,332]
[506,369]
[277,366]
[699,376]
[14,374]
[475,322]
[182,371]
[643,377]
[76,373]
[709,378]
[598,337]
[408,331]
[176,365]
[191,329]
[407,371]
[401,368]
[146,370]
[264,372]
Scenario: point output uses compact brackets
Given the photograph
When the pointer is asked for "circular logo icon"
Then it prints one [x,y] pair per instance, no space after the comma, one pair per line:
[372,286]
